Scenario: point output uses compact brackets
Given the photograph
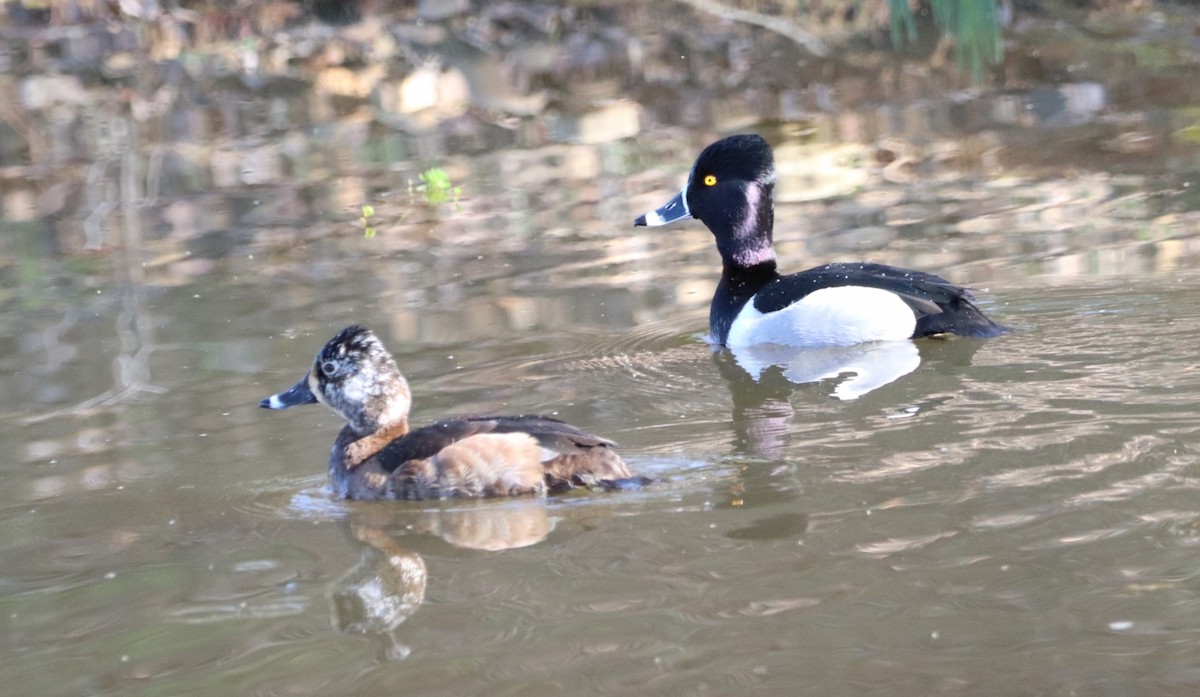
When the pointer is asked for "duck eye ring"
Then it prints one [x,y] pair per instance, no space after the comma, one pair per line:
[710,180]
[329,368]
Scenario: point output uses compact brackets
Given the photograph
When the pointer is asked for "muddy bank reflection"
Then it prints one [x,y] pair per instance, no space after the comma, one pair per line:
[216,137]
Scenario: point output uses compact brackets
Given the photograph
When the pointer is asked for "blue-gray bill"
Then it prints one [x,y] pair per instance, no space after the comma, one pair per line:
[675,209]
[297,395]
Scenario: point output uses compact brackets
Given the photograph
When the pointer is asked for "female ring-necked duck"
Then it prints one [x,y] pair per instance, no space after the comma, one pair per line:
[730,190]
[375,456]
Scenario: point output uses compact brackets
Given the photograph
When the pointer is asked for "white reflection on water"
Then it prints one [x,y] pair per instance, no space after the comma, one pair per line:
[866,367]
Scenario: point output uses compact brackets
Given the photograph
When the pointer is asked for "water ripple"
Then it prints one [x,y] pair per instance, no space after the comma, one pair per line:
[288,497]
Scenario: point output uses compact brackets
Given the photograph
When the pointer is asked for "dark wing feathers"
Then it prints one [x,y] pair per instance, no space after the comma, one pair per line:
[924,292]
[427,441]
[939,305]
[550,432]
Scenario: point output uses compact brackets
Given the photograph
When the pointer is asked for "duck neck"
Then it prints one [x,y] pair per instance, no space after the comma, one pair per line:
[738,285]
[387,432]
[747,280]
[746,242]
[385,406]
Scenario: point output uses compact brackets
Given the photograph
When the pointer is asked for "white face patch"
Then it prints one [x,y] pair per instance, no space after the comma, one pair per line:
[838,316]
[354,390]
[314,386]
[683,194]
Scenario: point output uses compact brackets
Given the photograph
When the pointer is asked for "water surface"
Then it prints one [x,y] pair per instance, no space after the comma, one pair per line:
[1010,516]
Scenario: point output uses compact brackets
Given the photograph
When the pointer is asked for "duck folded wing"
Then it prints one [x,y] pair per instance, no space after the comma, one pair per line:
[939,305]
[574,458]
[427,441]
[552,434]
[923,292]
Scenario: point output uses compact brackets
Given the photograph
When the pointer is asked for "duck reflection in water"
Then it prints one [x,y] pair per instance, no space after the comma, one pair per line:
[763,381]
[381,591]
[858,369]
[388,584]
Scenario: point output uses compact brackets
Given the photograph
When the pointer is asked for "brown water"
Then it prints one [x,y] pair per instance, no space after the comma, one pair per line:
[1005,517]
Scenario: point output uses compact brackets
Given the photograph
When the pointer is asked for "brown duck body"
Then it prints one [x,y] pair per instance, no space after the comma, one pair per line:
[477,457]
[375,455]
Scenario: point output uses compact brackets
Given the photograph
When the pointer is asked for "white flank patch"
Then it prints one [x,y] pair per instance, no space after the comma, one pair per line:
[838,316]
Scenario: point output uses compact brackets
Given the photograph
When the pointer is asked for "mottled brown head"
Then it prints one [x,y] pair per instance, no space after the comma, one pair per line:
[355,376]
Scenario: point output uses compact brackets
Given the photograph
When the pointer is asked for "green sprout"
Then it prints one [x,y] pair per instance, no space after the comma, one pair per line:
[368,212]
[435,187]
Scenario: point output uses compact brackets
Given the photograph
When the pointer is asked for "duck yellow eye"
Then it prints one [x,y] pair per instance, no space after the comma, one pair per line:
[710,180]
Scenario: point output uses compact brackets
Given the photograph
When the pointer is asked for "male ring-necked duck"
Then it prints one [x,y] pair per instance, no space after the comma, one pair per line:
[376,456]
[730,190]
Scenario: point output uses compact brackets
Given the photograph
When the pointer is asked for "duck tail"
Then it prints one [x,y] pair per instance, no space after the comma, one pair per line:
[959,317]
